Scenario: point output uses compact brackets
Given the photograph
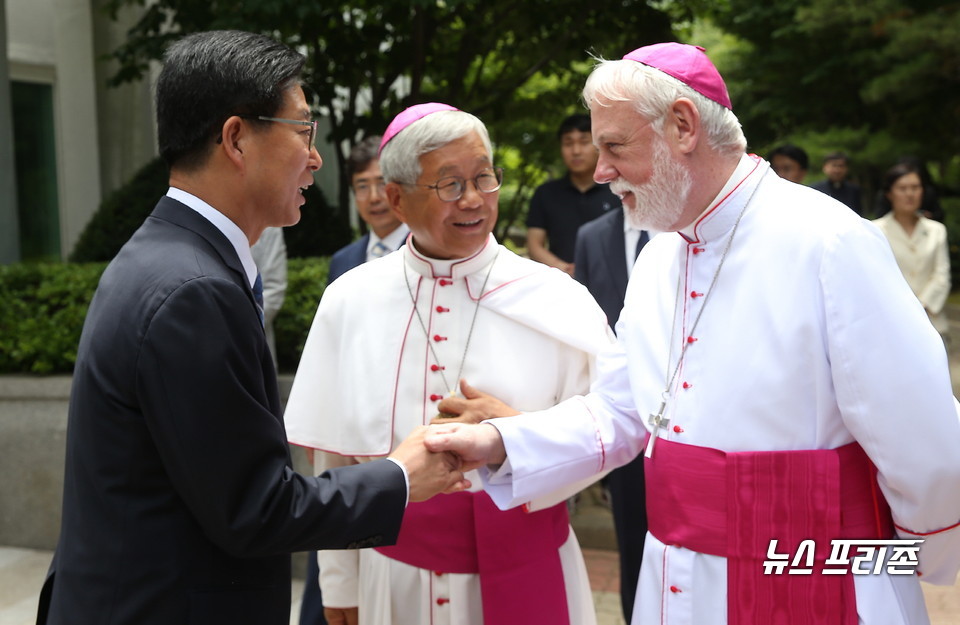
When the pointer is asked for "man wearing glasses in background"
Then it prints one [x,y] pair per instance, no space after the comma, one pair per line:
[387,232]
[393,337]
[180,504]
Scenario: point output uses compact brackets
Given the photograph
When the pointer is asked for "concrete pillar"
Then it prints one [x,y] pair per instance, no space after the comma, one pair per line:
[76,105]
[9,224]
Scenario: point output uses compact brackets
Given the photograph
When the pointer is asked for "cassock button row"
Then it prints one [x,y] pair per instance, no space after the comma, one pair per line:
[442,601]
[436,397]
[441,309]
[436,368]
[438,338]
[674,589]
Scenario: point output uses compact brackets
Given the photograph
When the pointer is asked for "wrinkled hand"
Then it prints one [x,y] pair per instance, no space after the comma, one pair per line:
[473,407]
[430,473]
[475,445]
[341,616]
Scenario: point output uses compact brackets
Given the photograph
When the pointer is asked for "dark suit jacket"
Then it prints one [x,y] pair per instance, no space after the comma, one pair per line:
[600,262]
[180,504]
[348,257]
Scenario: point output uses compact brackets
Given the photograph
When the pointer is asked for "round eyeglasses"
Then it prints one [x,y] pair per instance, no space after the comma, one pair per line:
[451,188]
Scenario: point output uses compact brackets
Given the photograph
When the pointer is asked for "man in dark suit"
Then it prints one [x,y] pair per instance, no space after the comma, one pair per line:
[387,233]
[180,504]
[603,265]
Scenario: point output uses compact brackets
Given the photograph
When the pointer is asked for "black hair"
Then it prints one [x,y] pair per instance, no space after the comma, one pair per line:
[208,77]
[836,156]
[362,155]
[577,121]
[890,178]
[793,152]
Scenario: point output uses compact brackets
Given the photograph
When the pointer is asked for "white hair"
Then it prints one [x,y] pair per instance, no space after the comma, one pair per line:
[653,92]
[400,158]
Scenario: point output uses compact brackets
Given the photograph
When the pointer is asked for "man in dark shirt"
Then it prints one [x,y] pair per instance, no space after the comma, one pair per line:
[835,185]
[559,207]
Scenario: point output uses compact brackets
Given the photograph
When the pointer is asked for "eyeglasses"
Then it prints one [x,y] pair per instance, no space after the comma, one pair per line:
[299,122]
[451,188]
[362,190]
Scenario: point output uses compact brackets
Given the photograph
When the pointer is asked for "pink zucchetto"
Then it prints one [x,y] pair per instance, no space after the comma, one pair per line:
[688,64]
[410,115]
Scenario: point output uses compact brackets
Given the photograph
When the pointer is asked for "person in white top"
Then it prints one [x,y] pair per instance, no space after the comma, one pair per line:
[394,336]
[919,244]
[772,365]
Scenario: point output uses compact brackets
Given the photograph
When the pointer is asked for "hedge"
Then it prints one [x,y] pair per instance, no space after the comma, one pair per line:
[45,305]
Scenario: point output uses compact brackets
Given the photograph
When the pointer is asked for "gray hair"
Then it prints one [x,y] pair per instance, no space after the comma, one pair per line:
[400,158]
[652,92]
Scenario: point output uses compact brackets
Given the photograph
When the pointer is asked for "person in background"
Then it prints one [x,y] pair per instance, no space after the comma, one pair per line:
[919,244]
[836,167]
[930,206]
[395,336]
[606,252]
[180,502]
[270,255]
[386,232]
[772,366]
[789,162]
[559,207]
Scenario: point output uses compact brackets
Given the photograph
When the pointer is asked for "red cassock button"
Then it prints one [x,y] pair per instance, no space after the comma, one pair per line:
[678,429]
[438,338]
[687,385]
[436,397]
[436,368]
[691,339]
[675,589]
[445,282]
[697,250]
[695,294]
[442,601]
[441,309]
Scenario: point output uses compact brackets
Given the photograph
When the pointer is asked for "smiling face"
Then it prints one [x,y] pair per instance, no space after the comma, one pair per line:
[637,163]
[448,230]
[282,163]
[368,189]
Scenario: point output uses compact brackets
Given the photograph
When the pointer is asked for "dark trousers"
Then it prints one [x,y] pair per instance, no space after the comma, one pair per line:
[629,503]
[311,607]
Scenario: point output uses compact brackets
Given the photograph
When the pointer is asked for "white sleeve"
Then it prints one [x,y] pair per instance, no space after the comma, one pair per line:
[894,392]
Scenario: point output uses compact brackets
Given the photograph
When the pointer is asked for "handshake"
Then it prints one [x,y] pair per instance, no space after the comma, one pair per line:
[436,456]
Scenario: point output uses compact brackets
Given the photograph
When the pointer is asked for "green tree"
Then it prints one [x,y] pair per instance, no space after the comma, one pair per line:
[368,60]
[878,79]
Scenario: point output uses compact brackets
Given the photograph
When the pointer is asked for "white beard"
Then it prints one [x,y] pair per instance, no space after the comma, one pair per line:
[658,203]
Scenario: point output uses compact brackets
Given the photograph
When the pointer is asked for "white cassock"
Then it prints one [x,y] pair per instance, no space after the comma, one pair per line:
[368,377]
[811,340]
[925,262]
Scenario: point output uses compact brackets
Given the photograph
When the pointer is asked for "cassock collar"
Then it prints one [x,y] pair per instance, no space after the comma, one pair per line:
[722,212]
[456,268]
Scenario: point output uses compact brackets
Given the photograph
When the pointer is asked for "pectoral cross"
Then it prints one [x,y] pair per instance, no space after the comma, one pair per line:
[656,421]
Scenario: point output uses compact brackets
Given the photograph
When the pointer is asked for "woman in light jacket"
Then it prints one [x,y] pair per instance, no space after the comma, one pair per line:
[919,244]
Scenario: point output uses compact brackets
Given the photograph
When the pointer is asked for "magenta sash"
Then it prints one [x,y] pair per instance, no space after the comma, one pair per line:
[514,552]
[733,504]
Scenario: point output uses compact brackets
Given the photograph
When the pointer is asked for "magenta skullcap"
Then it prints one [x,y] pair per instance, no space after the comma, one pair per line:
[688,64]
[409,115]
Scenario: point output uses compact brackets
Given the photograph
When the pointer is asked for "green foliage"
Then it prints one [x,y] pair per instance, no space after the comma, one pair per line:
[120,214]
[519,66]
[43,313]
[951,208]
[306,280]
[322,230]
[46,305]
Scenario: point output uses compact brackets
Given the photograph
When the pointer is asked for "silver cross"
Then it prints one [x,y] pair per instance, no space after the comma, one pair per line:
[657,422]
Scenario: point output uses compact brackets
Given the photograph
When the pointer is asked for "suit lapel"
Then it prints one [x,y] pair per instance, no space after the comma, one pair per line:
[169,209]
[615,251]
